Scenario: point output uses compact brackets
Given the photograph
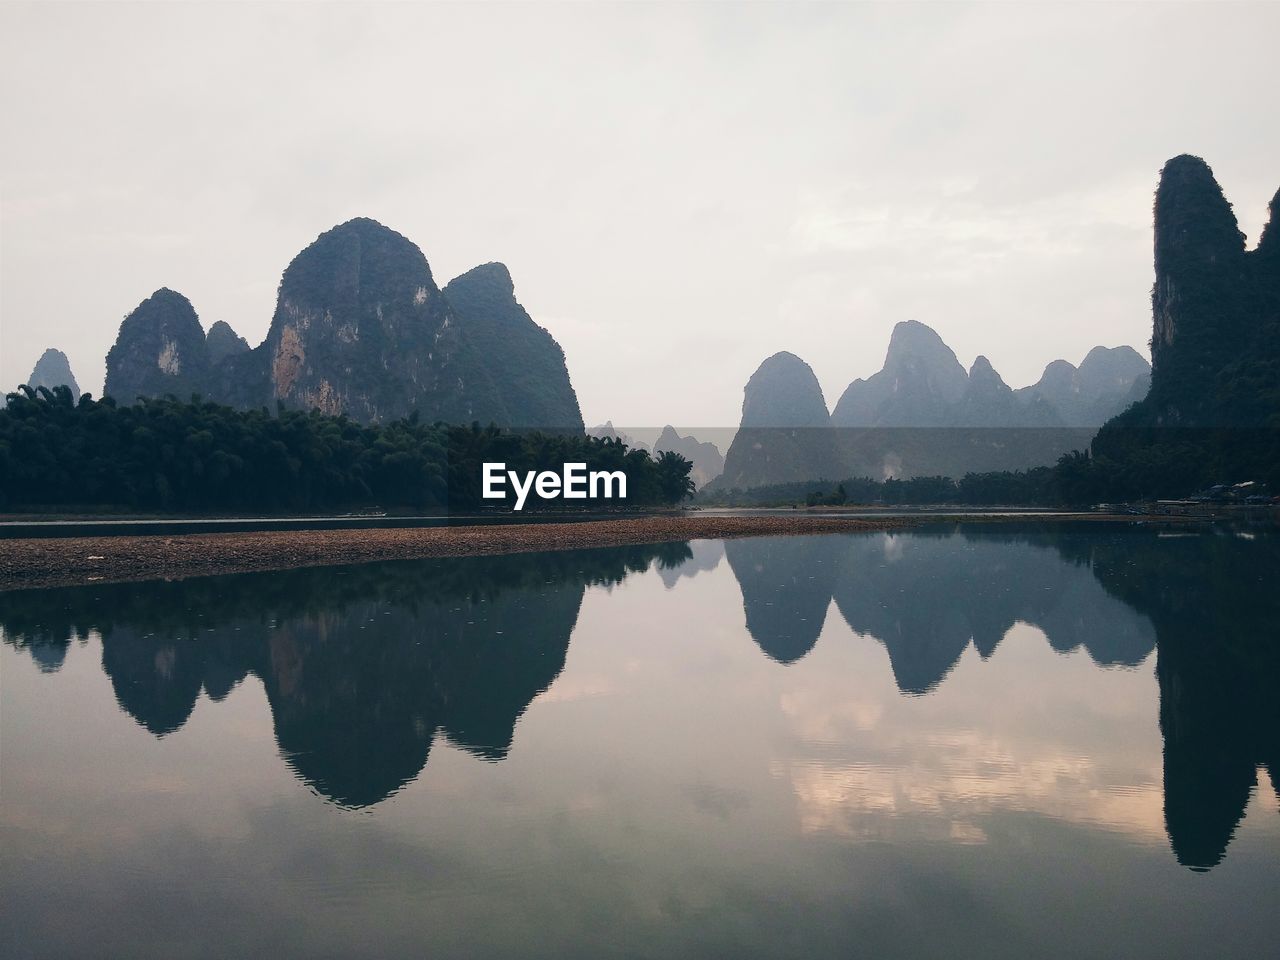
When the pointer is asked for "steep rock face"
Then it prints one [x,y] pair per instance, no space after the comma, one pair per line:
[53,370]
[784,433]
[918,386]
[1215,346]
[1215,308]
[525,363]
[361,328]
[705,457]
[160,349]
[1199,261]
[223,342]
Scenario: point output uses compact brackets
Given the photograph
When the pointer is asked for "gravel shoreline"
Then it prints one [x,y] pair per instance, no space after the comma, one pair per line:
[79,560]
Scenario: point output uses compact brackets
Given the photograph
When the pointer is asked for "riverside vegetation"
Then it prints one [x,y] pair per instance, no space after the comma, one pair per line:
[167,454]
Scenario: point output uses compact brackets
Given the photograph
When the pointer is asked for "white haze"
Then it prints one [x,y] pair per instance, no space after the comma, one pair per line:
[679,190]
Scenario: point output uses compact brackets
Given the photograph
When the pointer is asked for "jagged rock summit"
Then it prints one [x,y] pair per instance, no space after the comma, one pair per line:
[360,328]
[53,370]
[920,382]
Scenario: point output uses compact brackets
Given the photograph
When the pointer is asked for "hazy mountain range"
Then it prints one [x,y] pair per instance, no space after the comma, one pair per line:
[923,413]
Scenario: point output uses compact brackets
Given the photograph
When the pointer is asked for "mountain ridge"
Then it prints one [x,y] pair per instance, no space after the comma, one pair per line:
[360,328]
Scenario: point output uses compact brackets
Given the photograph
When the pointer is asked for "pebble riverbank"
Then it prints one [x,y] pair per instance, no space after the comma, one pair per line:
[79,560]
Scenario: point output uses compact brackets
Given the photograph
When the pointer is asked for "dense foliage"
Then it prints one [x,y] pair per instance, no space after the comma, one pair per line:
[1127,464]
[167,454]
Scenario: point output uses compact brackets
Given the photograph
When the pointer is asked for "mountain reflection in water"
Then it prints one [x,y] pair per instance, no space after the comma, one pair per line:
[365,667]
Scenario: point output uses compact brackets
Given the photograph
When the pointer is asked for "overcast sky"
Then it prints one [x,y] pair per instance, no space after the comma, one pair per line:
[678,190]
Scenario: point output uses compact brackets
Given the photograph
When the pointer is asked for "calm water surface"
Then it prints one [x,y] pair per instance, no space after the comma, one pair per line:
[1057,740]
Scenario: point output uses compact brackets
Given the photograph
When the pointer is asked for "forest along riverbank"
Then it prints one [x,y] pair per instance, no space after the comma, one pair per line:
[76,560]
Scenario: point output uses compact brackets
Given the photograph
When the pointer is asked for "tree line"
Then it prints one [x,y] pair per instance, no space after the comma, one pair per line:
[57,452]
[1035,487]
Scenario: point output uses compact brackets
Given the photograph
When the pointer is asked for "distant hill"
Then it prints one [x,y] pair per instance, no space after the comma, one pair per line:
[53,370]
[360,328]
[705,456]
[1108,380]
[607,431]
[785,431]
[922,384]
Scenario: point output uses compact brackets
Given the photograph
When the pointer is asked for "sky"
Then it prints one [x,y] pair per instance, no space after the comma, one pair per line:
[679,190]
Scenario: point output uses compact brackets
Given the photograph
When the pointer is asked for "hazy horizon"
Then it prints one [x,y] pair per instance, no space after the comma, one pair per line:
[679,191]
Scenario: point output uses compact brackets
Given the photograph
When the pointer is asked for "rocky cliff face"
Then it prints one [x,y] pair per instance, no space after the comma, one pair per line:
[705,457]
[524,361]
[1215,307]
[1199,264]
[160,350]
[53,370]
[360,328]
[1215,344]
